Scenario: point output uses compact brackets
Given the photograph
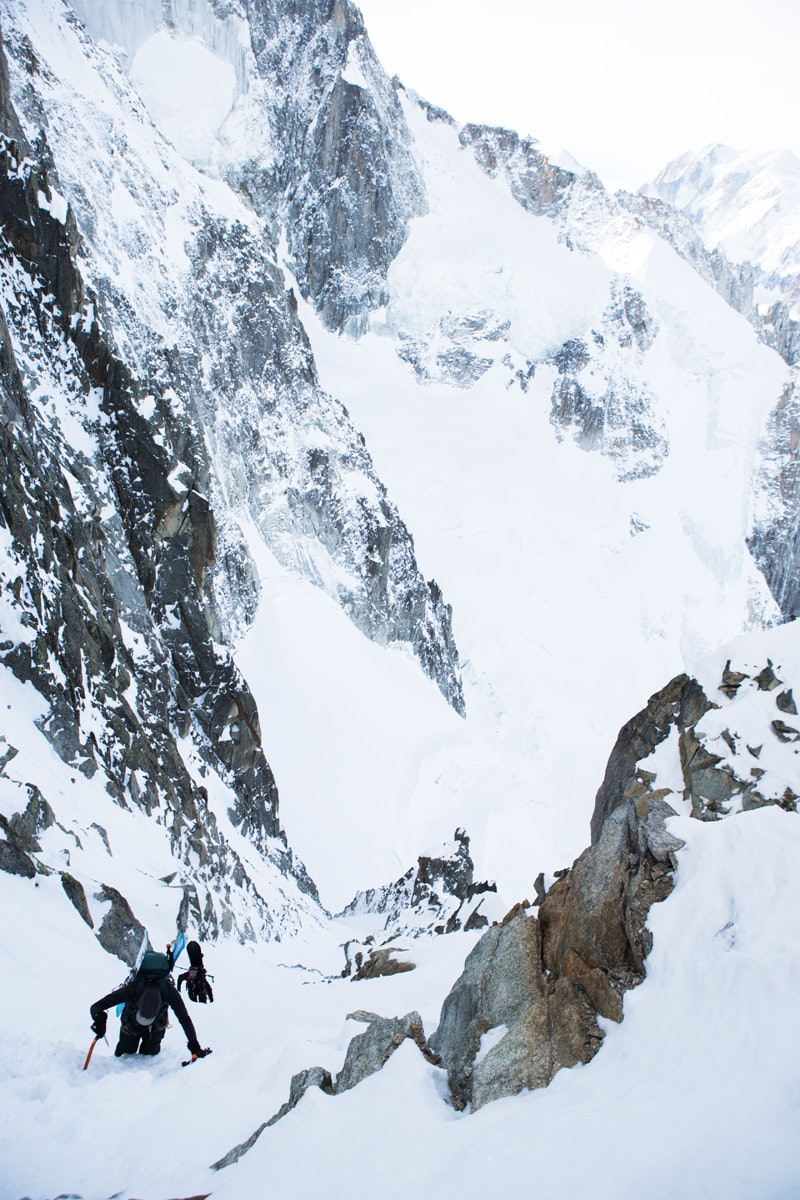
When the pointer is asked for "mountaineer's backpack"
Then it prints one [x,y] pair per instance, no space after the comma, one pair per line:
[151,993]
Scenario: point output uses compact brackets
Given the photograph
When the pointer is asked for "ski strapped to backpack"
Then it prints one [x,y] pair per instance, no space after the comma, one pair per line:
[136,964]
[175,949]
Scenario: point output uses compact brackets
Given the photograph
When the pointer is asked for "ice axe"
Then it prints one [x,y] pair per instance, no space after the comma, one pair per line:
[91,1051]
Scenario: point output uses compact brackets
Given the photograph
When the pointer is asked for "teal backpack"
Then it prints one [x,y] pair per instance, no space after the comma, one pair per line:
[151,995]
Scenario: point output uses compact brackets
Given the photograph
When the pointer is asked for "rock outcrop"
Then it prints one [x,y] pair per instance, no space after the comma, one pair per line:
[105,561]
[743,755]
[439,895]
[774,540]
[528,1000]
[679,705]
[344,170]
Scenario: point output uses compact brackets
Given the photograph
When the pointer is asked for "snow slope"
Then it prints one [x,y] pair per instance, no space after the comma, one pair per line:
[575,595]
[699,1078]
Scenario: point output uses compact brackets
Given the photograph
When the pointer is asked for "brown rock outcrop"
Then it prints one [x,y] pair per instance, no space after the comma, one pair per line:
[542,982]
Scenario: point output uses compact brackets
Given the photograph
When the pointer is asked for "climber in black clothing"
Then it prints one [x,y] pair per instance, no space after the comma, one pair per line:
[147,997]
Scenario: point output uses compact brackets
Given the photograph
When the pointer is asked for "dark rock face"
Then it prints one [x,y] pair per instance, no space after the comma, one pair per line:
[537,184]
[345,173]
[120,933]
[228,427]
[77,897]
[585,929]
[33,821]
[14,860]
[88,587]
[129,573]
[21,831]
[681,703]
[774,541]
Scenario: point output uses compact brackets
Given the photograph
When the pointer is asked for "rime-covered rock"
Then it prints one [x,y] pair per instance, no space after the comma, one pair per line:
[343,168]
[774,540]
[105,560]
[439,895]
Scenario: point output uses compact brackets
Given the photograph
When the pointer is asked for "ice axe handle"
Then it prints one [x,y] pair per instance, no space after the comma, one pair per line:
[91,1051]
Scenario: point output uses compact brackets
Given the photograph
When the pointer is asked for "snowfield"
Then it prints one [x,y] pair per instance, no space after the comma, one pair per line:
[695,1094]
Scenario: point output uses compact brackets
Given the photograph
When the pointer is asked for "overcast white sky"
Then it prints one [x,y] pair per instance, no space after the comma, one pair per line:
[624,85]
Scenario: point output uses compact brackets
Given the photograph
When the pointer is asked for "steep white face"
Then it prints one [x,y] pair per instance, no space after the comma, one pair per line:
[189,73]
[188,90]
[123,23]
